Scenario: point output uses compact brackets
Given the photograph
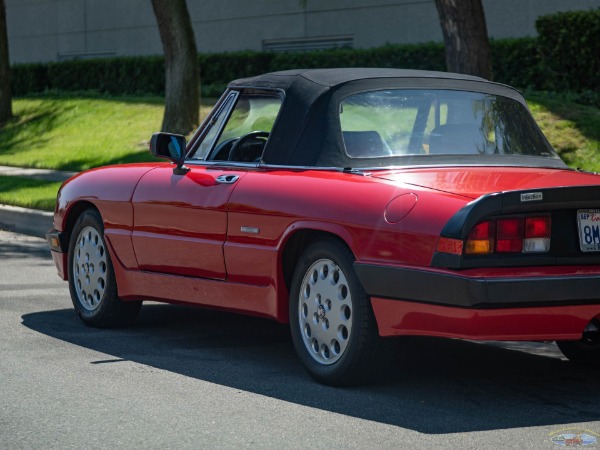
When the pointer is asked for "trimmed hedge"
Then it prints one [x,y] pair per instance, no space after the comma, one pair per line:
[569,45]
[136,75]
[28,78]
[563,57]
[219,69]
[516,62]
[145,75]
[428,56]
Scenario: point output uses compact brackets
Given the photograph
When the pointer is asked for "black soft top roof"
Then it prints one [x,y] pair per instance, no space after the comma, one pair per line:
[319,78]
[333,77]
[307,131]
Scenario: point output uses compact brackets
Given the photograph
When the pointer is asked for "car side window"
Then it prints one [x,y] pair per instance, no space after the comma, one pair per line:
[240,129]
[216,124]
[244,136]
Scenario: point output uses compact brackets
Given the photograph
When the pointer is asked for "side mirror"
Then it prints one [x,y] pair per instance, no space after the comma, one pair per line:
[171,147]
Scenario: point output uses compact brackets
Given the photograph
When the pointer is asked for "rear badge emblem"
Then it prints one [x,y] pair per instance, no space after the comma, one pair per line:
[532,197]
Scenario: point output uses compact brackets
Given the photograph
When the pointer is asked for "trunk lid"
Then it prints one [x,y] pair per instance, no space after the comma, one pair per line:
[473,182]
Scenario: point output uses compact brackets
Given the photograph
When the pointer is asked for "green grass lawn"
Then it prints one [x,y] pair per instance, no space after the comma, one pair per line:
[70,133]
[572,129]
[28,193]
[77,133]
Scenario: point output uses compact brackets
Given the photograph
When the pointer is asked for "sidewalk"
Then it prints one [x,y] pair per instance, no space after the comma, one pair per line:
[32,222]
[38,174]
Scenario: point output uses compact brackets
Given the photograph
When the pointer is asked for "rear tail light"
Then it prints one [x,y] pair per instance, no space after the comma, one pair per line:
[509,236]
[512,235]
[481,239]
[537,235]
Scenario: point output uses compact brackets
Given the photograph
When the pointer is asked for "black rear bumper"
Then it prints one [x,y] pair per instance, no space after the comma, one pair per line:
[469,292]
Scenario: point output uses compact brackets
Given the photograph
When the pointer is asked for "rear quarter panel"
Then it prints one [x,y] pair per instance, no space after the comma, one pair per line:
[353,207]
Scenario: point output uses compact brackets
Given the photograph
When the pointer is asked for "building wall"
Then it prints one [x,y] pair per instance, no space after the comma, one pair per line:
[55,30]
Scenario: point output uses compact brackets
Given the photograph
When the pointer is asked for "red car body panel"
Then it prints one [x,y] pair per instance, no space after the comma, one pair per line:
[185,237]
[110,190]
[477,181]
[397,318]
[249,299]
[194,250]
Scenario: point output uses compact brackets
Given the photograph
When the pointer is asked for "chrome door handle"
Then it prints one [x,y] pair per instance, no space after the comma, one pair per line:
[227,179]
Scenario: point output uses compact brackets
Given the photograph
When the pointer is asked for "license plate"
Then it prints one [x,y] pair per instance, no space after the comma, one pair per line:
[588,221]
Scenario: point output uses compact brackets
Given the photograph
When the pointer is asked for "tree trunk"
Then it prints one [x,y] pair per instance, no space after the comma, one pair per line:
[465,36]
[182,99]
[5,95]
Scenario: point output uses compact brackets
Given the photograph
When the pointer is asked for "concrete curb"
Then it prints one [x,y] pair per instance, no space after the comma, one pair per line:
[32,222]
[25,221]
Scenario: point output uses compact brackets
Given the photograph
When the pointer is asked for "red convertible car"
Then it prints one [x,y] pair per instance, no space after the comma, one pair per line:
[355,204]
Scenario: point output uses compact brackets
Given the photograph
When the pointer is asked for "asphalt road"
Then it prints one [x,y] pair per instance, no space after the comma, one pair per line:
[188,378]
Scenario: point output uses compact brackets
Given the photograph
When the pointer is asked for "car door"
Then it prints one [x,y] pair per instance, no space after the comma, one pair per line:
[180,221]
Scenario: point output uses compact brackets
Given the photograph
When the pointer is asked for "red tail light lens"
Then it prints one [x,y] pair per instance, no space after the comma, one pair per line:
[511,235]
[537,235]
[537,227]
[484,230]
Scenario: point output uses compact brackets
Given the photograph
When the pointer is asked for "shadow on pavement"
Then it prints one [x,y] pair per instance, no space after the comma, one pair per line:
[438,386]
[35,250]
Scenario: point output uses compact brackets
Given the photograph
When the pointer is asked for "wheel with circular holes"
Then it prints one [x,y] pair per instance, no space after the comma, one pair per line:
[332,324]
[92,279]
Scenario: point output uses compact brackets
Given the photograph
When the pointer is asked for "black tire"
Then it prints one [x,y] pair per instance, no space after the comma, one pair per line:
[585,352]
[92,280]
[331,320]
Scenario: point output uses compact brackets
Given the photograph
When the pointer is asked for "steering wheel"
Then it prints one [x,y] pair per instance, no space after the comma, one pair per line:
[245,138]
[221,151]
